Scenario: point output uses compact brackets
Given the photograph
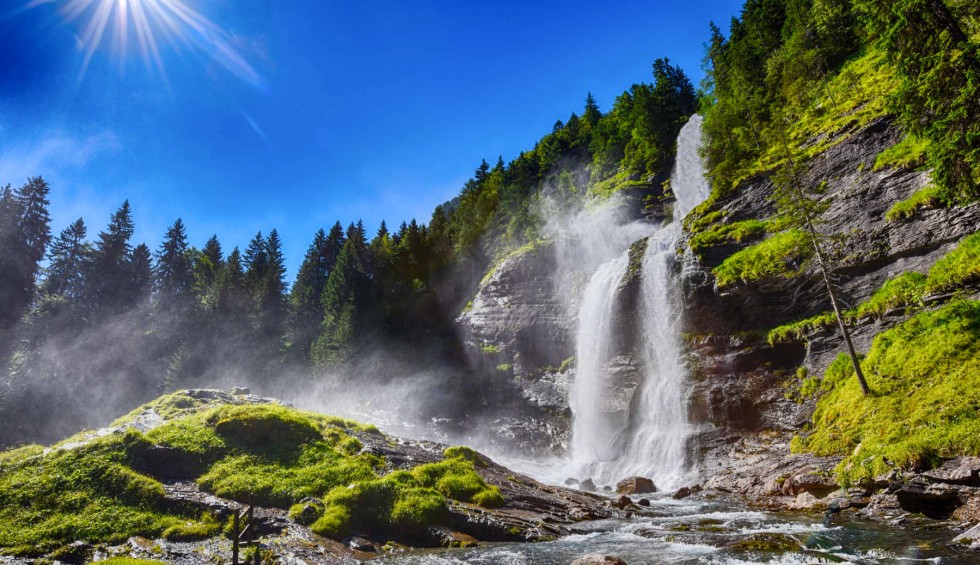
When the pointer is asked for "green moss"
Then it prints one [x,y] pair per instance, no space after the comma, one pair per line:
[909,153]
[455,478]
[796,331]
[925,197]
[767,542]
[204,528]
[906,289]
[267,454]
[522,250]
[736,232]
[88,493]
[504,367]
[925,403]
[566,364]
[959,267]
[779,255]
[465,453]
[490,348]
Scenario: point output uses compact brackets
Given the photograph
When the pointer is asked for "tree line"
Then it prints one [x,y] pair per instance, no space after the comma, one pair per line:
[85,317]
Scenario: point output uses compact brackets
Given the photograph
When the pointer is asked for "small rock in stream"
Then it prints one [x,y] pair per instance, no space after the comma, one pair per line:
[621,502]
[635,485]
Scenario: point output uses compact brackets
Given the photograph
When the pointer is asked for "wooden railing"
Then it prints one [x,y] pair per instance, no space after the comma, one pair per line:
[243,528]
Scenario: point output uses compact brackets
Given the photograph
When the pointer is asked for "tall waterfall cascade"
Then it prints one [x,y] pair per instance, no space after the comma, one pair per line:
[616,434]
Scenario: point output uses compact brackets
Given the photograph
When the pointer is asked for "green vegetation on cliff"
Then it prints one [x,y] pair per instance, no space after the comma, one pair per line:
[958,269]
[97,488]
[780,255]
[925,374]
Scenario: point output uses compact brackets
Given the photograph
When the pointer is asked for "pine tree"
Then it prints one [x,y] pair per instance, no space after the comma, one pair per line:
[66,261]
[592,113]
[109,282]
[173,272]
[141,268]
[350,310]
[24,234]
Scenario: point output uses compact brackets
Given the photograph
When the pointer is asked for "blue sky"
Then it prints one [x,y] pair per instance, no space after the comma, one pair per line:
[294,114]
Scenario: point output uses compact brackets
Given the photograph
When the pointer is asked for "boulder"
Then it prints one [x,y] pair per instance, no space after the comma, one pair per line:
[635,485]
[682,493]
[241,391]
[598,559]
[805,501]
[621,502]
[587,485]
[644,502]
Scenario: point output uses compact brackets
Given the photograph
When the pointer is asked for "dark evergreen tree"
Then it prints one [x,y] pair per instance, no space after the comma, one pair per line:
[66,261]
[174,276]
[109,283]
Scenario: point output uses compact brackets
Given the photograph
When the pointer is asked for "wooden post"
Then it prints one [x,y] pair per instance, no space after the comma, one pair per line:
[234,539]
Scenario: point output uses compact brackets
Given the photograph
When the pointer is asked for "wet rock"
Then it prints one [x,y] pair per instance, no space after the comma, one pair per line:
[241,391]
[935,500]
[607,488]
[570,482]
[361,544]
[621,502]
[598,559]
[451,538]
[767,542]
[644,502]
[969,538]
[587,485]
[682,493]
[635,485]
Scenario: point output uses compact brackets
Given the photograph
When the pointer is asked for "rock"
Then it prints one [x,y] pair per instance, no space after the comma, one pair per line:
[361,544]
[767,542]
[644,502]
[451,538]
[570,482]
[598,559]
[621,502]
[75,553]
[960,471]
[587,485]
[241,391]
[635,485]
[682,493]
[970,537]
[804,501]
[810,481]
[935,500]
[606,488]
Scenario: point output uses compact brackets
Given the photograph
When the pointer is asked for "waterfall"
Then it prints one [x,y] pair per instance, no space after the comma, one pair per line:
[615,435]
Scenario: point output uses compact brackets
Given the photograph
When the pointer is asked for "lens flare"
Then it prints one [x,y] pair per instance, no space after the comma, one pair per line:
[149,21]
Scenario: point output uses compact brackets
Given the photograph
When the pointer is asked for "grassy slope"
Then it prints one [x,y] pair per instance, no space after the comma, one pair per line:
[925,401]
[270,454]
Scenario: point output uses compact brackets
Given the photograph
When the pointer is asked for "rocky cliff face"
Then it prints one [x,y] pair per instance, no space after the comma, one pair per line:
[739,381]
[520,330]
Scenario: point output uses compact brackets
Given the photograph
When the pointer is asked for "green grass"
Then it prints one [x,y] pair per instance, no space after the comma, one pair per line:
[925,197]
[490,349]
[268,454]
[925,403]
[779,255]
[958,268]
[796,331]
[909,153]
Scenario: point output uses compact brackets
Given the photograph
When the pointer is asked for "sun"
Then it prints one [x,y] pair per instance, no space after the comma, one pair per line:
[151,22]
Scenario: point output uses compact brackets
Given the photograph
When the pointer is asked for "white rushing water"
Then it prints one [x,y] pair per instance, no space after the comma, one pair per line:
[615,435]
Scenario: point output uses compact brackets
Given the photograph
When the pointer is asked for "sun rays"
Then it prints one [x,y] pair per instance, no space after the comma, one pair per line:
[152,22]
